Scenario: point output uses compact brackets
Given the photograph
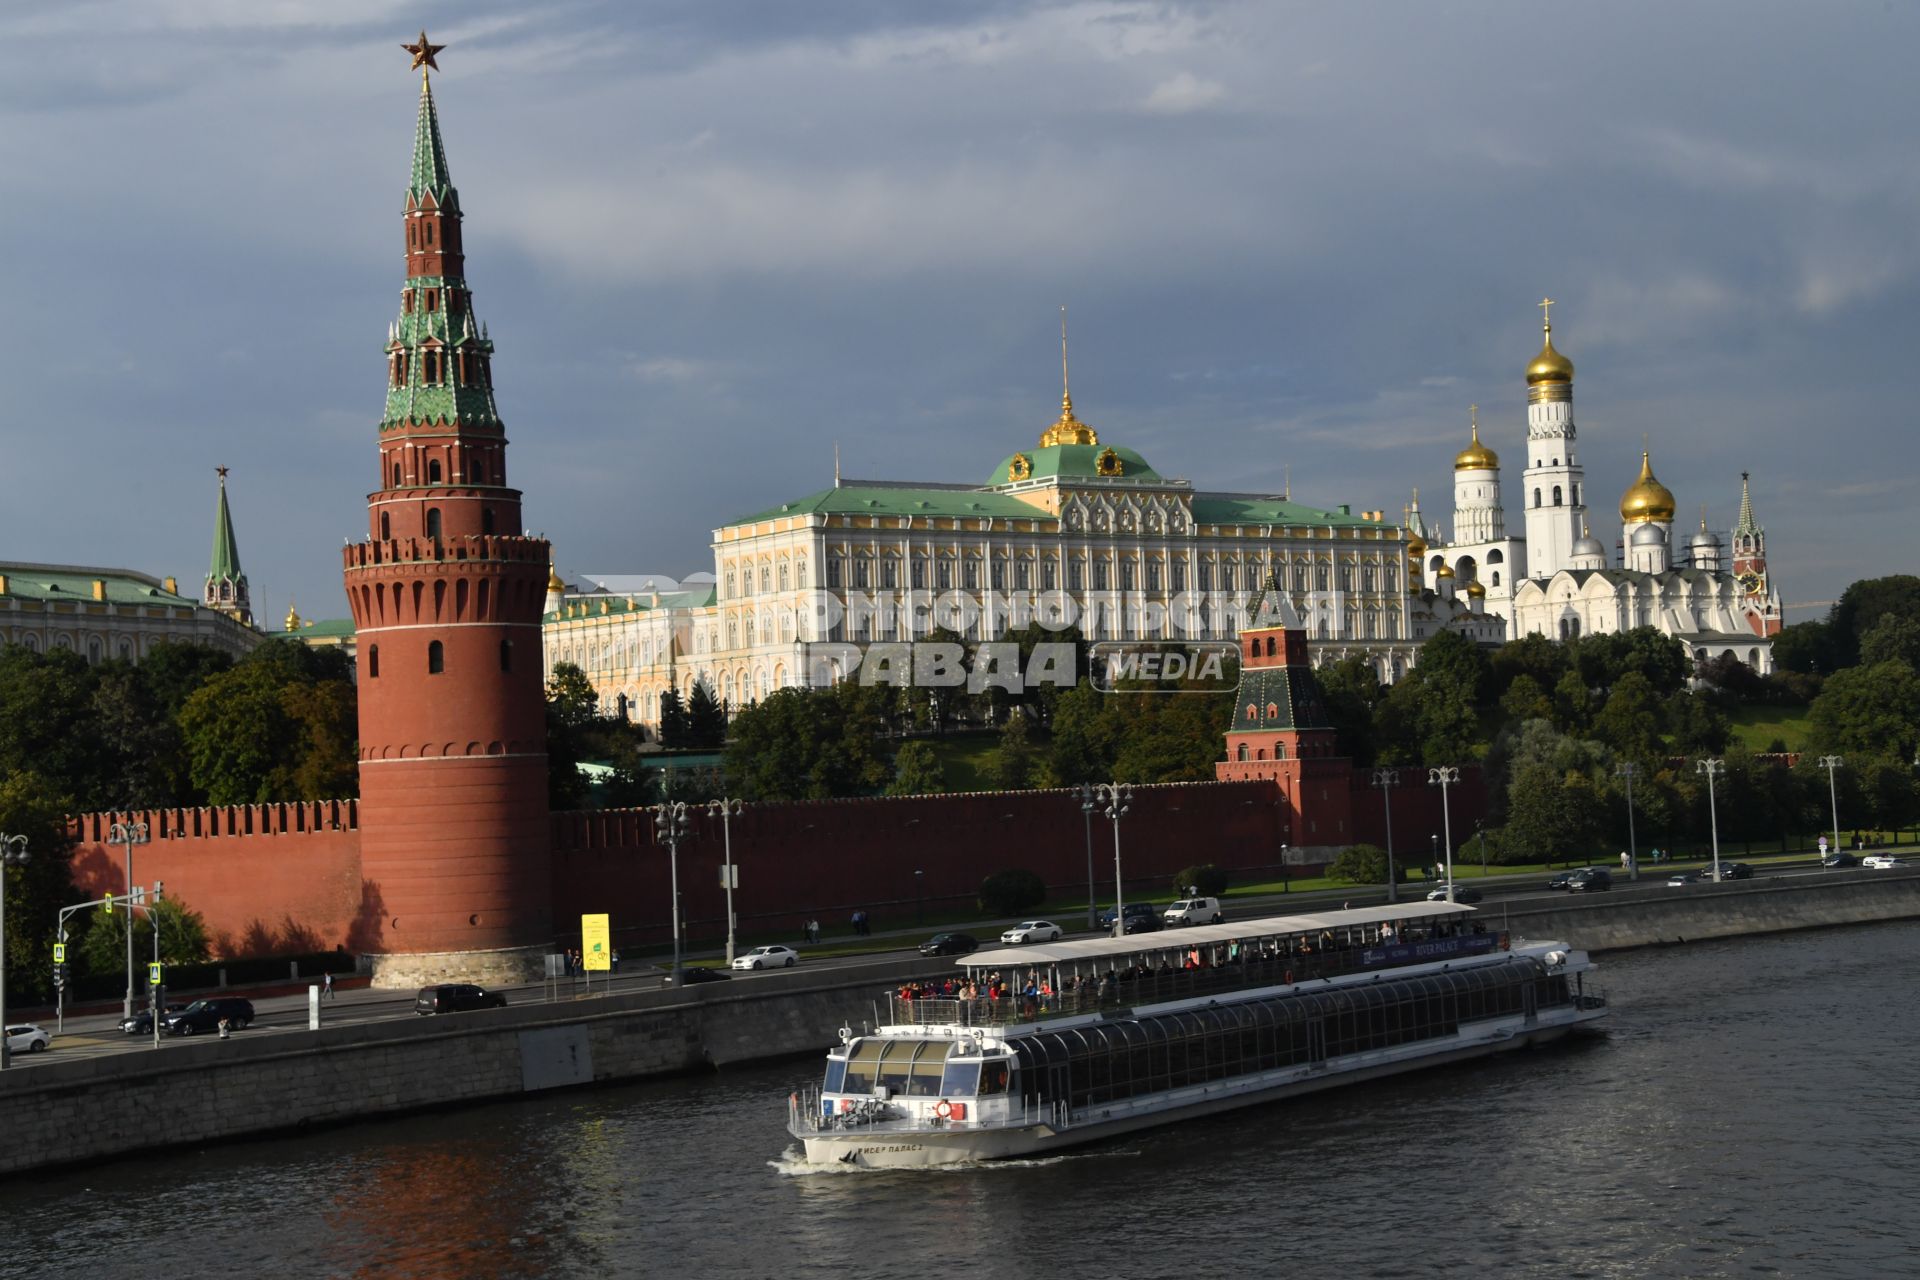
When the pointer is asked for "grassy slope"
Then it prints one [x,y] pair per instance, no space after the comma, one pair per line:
[1756,727]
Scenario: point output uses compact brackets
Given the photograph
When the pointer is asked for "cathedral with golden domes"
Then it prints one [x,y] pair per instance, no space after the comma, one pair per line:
[1558,579]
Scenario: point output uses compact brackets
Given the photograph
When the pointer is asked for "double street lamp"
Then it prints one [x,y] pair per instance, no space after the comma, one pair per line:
[1443,777]
[1711,767]
[729,874]
[127,835]
[13,853]
[1387,780]
[1830,763]
[1118,798]
[670,824]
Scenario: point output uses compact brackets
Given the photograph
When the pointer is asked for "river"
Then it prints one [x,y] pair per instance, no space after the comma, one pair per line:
[1746,1112]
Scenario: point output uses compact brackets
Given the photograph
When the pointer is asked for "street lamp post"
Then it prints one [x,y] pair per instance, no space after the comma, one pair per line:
[127,835]
[1830,763]
[919,897]
[728,810]
[1118,798]
[1444,777]
[1712,766]
[669,824]
[154,989]
[1387,780]
[1633,851]
[1087,807]
[13,853]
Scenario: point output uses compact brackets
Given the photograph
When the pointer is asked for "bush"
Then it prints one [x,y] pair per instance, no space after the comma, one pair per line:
[1010,892]
[1360,864]
[1205,880]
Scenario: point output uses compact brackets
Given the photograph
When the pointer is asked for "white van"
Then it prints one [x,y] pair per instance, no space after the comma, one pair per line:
[1193,911]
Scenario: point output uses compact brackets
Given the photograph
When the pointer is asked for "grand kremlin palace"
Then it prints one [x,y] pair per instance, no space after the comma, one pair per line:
[1071,531]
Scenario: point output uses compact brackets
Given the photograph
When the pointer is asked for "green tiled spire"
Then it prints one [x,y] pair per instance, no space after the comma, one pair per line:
[225,564]
[430,173]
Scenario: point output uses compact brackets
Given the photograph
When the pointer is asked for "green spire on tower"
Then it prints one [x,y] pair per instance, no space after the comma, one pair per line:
[226,588]
[431,176]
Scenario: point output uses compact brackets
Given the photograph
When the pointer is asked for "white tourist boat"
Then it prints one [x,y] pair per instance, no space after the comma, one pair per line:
[1039,1048]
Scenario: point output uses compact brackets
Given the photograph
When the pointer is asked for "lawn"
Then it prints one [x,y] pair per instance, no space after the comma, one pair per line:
[1758,727]
[966,757]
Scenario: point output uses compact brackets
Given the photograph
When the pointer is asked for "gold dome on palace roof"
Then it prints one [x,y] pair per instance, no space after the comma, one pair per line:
[1475,590]
[1444,571]
[1646,499]
[1476,456]
[553,581]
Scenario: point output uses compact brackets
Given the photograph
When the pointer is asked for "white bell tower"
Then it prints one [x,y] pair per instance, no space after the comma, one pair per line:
[1554,491]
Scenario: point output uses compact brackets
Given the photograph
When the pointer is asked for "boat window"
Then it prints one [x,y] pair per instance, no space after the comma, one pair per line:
[962,1080]
[862,1065]
[836,1075]
[896,1064]
[993,1077]
[928,1063]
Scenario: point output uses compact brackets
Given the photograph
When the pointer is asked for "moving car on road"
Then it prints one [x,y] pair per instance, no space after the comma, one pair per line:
[1032,931]
[1881,861]
[141,1023]
[1561,881]
[693,975]
[1133,911]
[1193,911]
[24,1037]
[773,956]
[1681,879]
[205,1015]
[950,944]
[1461,893]
[1735,871]
[1590,880]
[456,997]
[1839,858]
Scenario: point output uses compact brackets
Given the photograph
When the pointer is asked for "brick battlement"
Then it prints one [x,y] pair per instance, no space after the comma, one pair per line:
[296,818]
[491,548]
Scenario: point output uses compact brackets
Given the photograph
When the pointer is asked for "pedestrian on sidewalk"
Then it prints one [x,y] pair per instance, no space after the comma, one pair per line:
[326,987]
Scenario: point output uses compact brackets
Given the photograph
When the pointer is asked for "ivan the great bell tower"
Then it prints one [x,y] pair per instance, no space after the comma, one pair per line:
[446,595]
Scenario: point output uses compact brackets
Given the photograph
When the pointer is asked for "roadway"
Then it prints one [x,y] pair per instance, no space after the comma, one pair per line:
[94,1035]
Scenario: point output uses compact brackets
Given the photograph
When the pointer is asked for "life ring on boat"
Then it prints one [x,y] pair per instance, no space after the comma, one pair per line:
[943,1109]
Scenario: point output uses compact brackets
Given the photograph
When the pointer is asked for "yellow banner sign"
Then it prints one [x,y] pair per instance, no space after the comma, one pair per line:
[596,943]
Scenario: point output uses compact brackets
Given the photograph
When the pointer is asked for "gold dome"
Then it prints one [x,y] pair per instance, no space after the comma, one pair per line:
[1646,499]
[1476,456]
[1416,547]
[553,581]
[1475,590]
[1444,571]
[1549,365]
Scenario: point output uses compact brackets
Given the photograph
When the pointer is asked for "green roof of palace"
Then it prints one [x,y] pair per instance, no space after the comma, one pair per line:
[322,629]
[1073,461]
[56,582]
[1242,508]
[901,500]
[609,606]
[224,565]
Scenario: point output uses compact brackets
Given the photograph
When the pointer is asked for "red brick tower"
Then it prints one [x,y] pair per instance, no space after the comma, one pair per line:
[1281,733]
[446,596]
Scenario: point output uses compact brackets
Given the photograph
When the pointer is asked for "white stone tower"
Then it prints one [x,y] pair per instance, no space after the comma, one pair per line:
[1555,486]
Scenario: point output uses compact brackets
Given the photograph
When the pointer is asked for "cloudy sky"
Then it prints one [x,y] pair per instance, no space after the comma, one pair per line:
[713,239]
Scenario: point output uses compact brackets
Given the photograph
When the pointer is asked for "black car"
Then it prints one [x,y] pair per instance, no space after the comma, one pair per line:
[692,975]
[206,1015]
[949,944]
[1589,880]
[1134,911]
[1562,880]
[1840,858]
[141,1023]
[456,997]
[1735,871]
[1141,924]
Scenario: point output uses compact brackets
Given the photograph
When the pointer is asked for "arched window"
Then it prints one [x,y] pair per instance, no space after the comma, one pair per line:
[436,658]
[1496,577]
[386,527]
[1556,496]
[93,648]
[396,475]
[477,469]
[373,662]
[486,519]
[1279,751]
[1253,650]
[433,471]
[1242,752]
[1536,497]
[1269,646]
[433,522]
[506,655]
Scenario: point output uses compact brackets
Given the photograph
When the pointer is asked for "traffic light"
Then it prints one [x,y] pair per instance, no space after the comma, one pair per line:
[159,890]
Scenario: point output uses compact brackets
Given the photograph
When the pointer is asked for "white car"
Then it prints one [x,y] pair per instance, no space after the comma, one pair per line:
[773,957]
[1032,931]
[24,1037]
[1881,861]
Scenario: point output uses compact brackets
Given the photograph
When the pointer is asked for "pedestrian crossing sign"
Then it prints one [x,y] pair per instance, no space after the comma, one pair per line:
[153,975]
[59,953]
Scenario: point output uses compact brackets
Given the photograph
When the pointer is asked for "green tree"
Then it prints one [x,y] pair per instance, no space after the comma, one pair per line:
[706,718]
[1360,864]
[917,770]
[1525,700]
[572,697]
[1805,647]
[1542,660]
[241,741]
[31,807]
[1630,721]
[1573,702]
[1553,815]
[674,728]
[1892,793]
[46,720]
[103,947]
[1015,758]
[1353,695]
[1892,639]
[142,762]
[1696,725]
[819,744]
[1869,711]
[1862,606]
[1082,748]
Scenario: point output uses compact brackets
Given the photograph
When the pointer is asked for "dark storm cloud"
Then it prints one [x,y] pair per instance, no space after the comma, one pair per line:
[712,240]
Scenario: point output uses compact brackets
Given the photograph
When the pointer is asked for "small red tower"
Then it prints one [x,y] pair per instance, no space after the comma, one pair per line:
[446,595]
[1281,733]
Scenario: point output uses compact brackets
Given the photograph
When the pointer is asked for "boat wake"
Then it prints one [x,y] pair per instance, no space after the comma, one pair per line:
[793,1163]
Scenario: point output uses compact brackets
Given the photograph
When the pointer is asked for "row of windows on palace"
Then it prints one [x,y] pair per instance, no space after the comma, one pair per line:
[436,658]
[860,572]
[96,649]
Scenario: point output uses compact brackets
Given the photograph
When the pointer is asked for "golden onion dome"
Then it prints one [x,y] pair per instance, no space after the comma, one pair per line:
[1444,571]
[1646,499]
[1475,590]
[1416,546]
[553,581]
[1549,365]
[1476,456]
